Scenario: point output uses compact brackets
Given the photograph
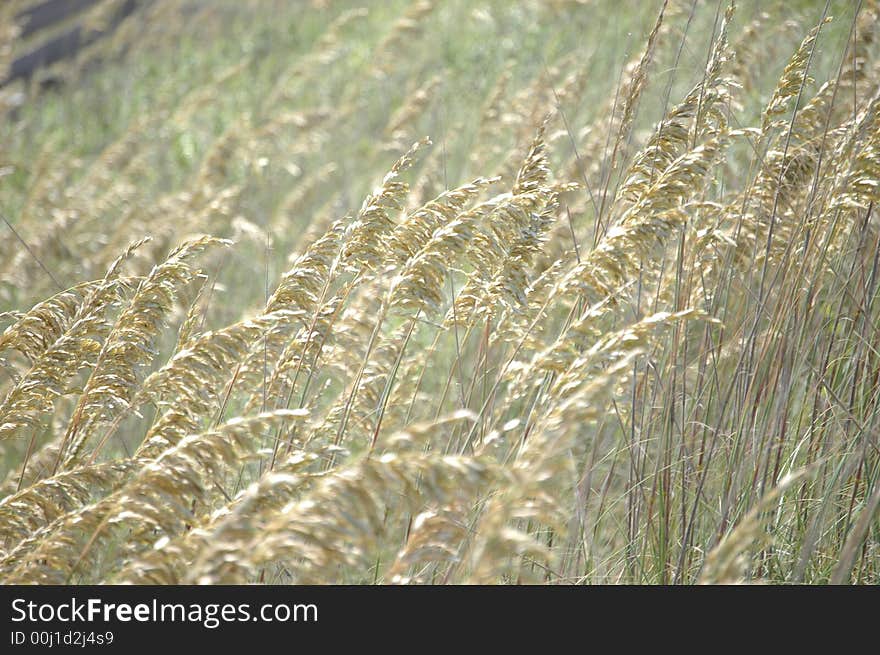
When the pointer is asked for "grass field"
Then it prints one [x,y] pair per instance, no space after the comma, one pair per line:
[557,292]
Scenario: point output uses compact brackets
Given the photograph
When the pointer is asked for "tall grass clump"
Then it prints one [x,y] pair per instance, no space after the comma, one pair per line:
[616,320]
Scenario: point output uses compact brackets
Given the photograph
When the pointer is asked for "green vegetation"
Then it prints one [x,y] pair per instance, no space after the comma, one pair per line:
[562,292]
